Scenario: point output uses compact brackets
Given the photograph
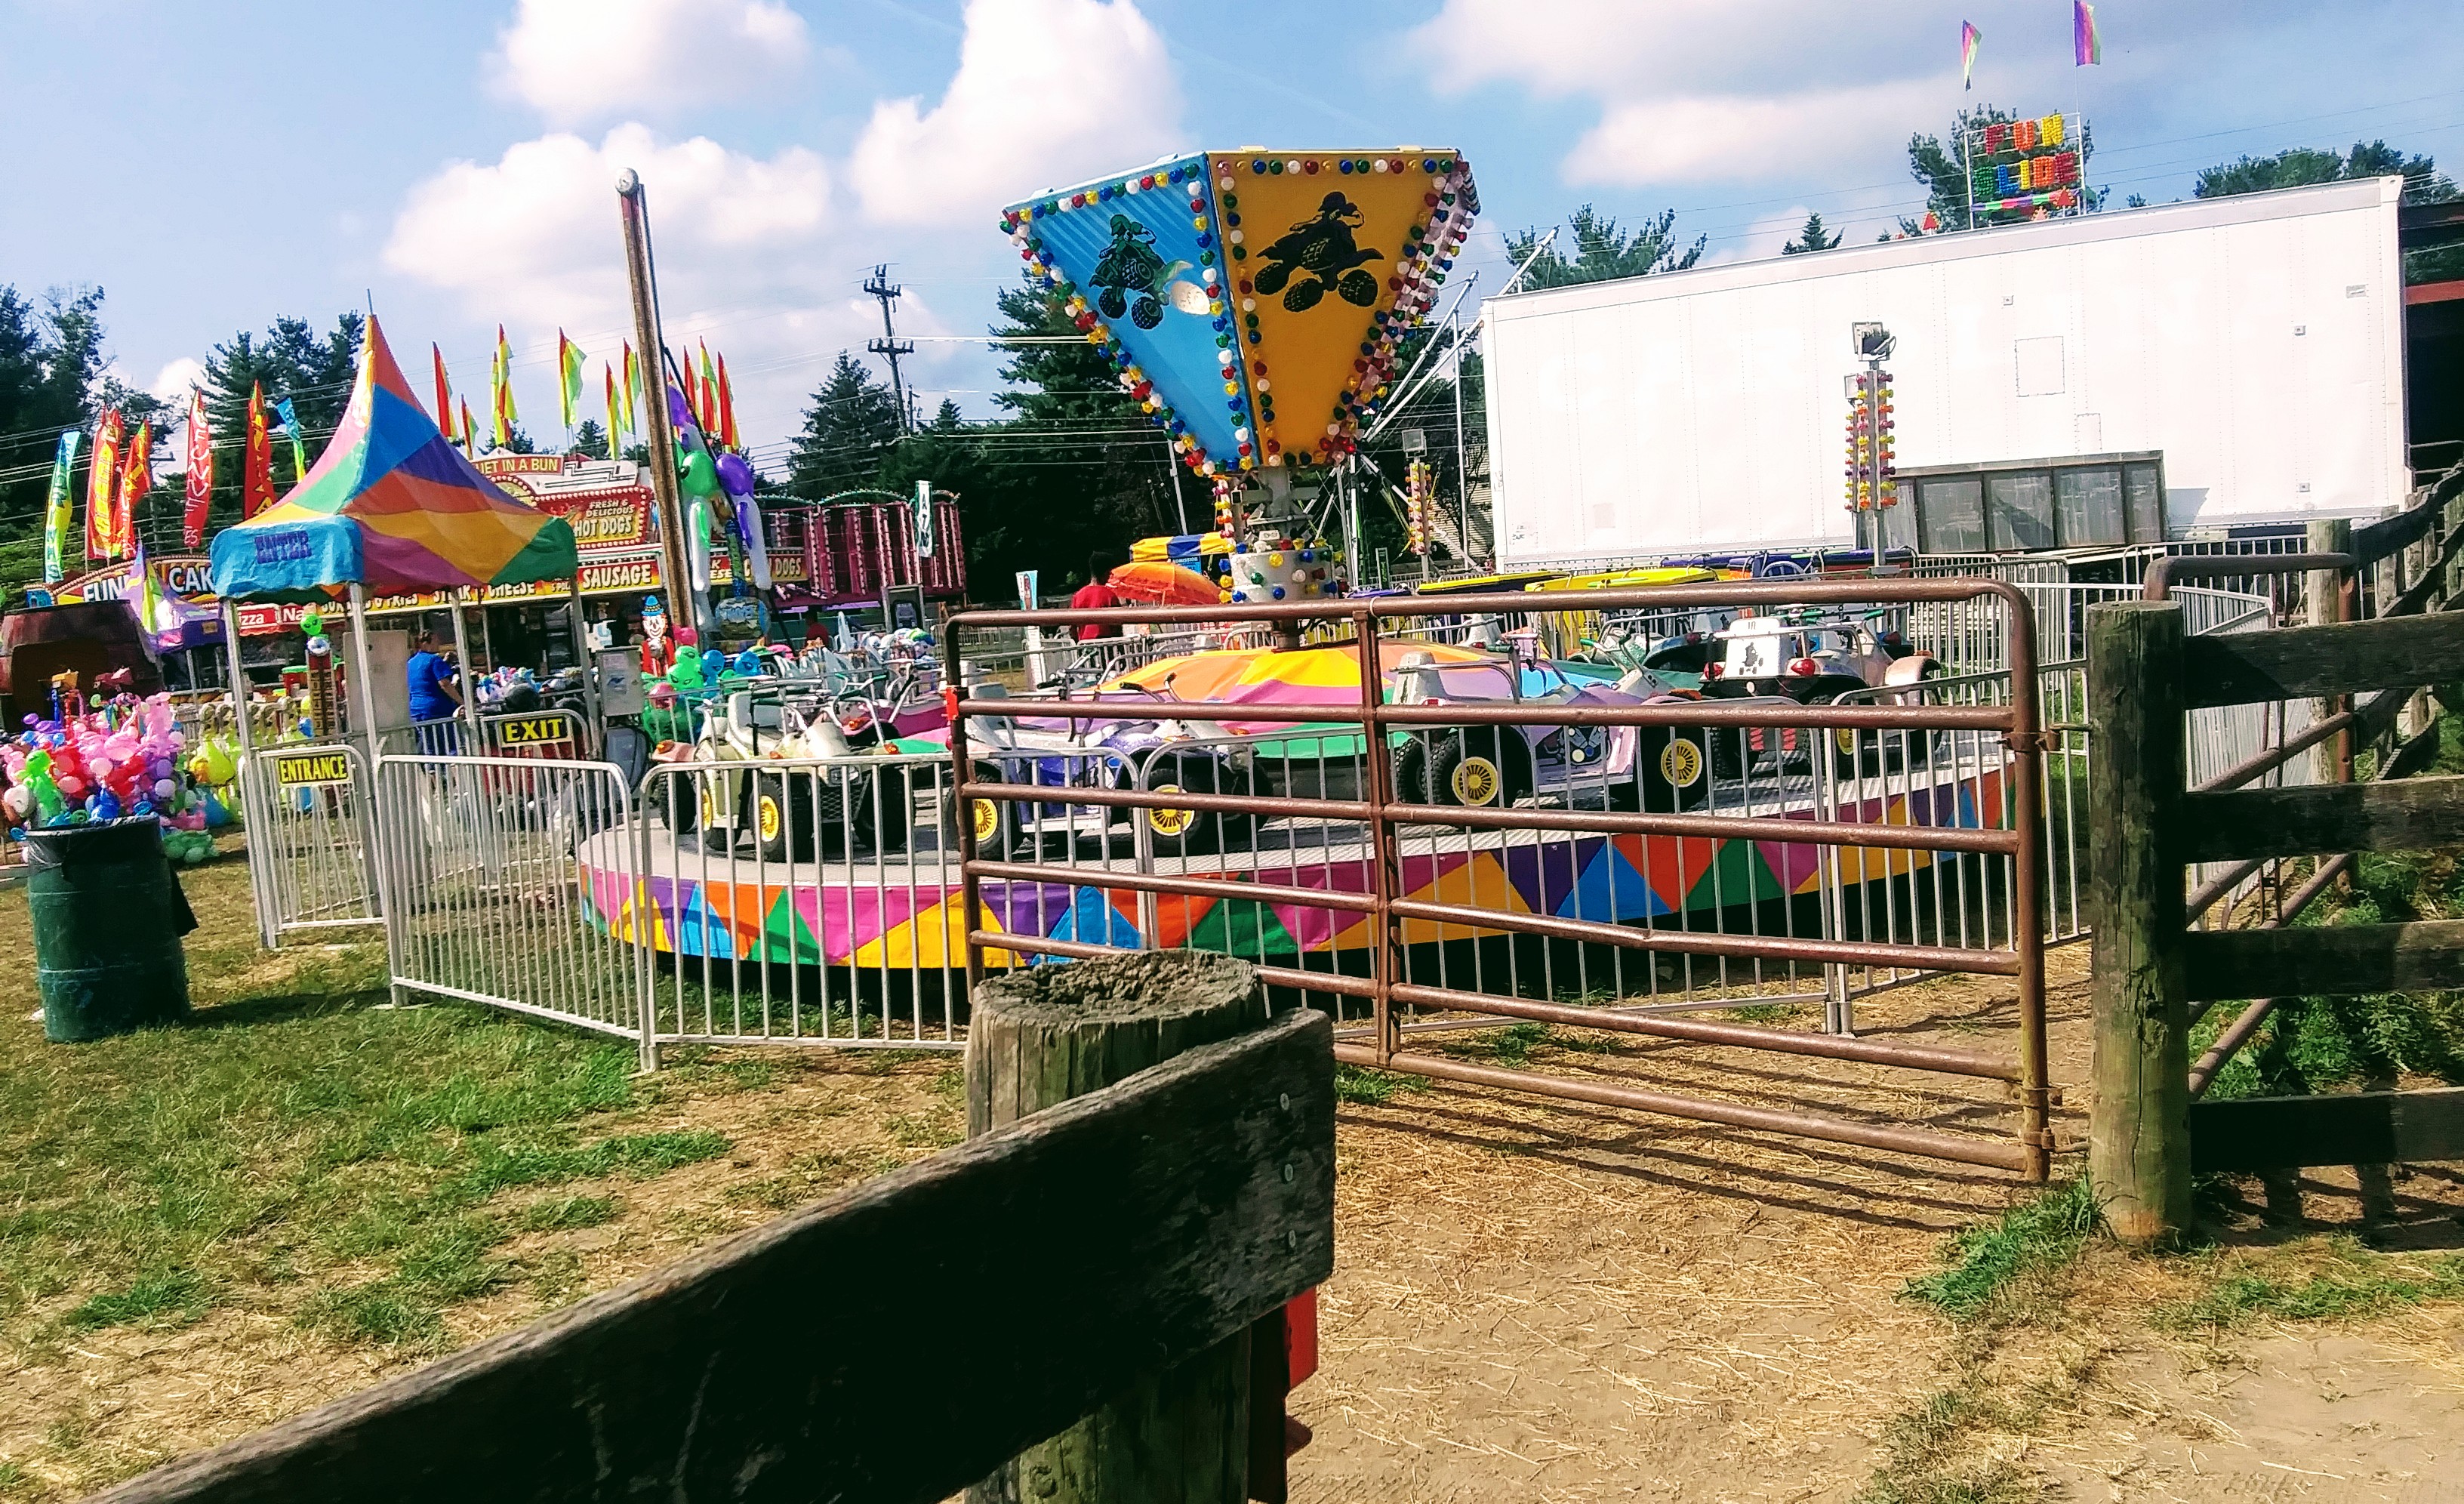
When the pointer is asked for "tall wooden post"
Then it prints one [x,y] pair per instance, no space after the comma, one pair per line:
[1044,1035]
[2139,1132]
[2322,602]
[685,607]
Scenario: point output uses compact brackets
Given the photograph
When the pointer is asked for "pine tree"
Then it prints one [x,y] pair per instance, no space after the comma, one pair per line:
[289,360]
[946,419]
[590,440]
[847,432]
[1812,237]
[1603,250]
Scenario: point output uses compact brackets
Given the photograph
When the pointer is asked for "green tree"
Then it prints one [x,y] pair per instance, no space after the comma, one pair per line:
[289,360]
[2300,167]
[590,439]
[54,376]
[1812,237]
[1943,169]
[847,430]
[1603,250]
[946,418]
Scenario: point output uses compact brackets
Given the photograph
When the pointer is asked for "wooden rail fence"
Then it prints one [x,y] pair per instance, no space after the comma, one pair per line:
[907,1339]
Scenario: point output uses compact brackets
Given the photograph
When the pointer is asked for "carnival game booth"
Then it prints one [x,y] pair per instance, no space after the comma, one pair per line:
[391,508]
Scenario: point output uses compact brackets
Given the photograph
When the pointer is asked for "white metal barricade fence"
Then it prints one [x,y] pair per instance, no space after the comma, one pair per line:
[307,816]
[807,901]
[489,896]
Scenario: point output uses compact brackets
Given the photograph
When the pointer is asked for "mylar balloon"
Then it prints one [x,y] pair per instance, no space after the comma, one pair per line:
[736,475]
[700,474]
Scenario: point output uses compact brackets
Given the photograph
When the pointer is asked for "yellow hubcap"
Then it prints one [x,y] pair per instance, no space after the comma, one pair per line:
[1680,763]
[1845,738]
[987,819]
[1169,822]
[1475,782]
[767,813]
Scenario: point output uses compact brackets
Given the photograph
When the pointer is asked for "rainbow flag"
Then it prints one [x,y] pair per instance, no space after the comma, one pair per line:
[2087,47]
[1968,37]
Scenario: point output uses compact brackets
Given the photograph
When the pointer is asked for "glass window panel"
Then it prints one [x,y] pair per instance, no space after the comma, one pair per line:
[1900,522]
[2146,503]
[2022,509]
[2089,500]
[1951,514]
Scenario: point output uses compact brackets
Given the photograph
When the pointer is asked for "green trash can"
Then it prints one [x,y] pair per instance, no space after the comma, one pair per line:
[108,916]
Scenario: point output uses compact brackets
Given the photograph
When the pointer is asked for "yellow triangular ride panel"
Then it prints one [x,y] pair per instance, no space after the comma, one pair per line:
[1322,245]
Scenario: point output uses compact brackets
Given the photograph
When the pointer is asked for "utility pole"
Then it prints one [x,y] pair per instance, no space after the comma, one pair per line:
[683,605]
[889,345]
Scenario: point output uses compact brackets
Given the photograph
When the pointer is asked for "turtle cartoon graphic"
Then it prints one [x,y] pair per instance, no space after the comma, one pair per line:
[1317,251]
[1129,265]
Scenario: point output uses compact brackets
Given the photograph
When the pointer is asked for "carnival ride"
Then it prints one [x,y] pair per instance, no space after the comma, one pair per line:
[1253,305]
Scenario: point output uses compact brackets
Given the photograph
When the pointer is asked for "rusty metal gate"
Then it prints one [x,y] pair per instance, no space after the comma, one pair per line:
[1734,772]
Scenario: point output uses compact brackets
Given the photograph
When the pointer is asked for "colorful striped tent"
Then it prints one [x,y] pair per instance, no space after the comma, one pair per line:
[392,505]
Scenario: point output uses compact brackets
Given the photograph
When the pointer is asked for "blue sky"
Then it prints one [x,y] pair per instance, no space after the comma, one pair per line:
[215,165]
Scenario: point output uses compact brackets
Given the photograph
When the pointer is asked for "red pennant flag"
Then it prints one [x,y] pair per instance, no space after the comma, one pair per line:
[443,395]
[470,435]
[726,409]
[136,484]
[257,467]
[201,473]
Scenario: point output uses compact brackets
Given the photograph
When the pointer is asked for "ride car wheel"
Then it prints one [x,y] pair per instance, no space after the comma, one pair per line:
[782,816]
[1480,768]
[1197,832]
[1672,772]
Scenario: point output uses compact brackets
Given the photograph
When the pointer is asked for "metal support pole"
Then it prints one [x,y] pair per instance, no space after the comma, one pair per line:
[583,658]
[254,813]
[1386,877]
[685,604]
[470,707]
[361,704]
[1463,451]
[1179,501]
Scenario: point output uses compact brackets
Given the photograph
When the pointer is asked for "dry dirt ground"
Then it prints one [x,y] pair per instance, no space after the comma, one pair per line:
[1537,1300]
[1545,1301]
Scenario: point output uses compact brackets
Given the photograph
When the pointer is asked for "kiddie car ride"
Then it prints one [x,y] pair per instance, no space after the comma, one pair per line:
[1124,735]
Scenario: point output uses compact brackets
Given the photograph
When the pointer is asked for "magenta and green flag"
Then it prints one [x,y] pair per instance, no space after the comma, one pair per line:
[1968,37]
[2086,46]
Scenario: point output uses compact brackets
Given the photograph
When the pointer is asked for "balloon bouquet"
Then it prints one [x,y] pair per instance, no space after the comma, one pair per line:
[126,759]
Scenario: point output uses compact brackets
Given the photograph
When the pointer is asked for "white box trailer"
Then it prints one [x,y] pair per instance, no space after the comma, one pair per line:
[2257,341]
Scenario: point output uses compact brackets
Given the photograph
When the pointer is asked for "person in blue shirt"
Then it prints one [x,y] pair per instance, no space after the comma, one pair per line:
[436,694]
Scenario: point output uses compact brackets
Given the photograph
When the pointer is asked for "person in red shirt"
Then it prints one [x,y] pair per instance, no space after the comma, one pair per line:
[1095,596]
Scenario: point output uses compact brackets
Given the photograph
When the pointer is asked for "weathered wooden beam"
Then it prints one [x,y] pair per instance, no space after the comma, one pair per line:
[2373,542]
[892,1344]
[2240,668]
[2137,1149]
[1046,1036]
[2276,1132]
[2330,960]
[2401,814]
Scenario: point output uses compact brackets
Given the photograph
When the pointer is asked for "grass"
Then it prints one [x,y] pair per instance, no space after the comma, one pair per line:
[1363,1087]
[1985,1265]
[294,1145]
[2357,1283]
[1922,1464]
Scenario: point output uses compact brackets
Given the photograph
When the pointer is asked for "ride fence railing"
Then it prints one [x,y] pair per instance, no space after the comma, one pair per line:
[1438,861]
[312,847]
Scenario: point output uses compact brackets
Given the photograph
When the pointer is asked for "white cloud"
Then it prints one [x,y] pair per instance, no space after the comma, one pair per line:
[1706,138]
[538,229]
[1046,92]
[1703,90]
[745,248]
[172,382]
[580,61]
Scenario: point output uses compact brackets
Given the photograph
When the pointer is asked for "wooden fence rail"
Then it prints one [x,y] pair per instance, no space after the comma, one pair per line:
[899,1343]
[2147,1134]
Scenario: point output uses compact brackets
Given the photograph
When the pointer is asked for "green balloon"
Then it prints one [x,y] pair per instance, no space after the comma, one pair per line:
[700,474]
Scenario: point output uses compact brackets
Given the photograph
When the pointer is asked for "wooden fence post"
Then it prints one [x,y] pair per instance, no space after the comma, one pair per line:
[1044,1035]
[2139,1135]
[2323,604]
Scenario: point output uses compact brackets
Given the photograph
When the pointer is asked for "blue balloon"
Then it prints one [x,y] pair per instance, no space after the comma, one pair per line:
[734,474]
